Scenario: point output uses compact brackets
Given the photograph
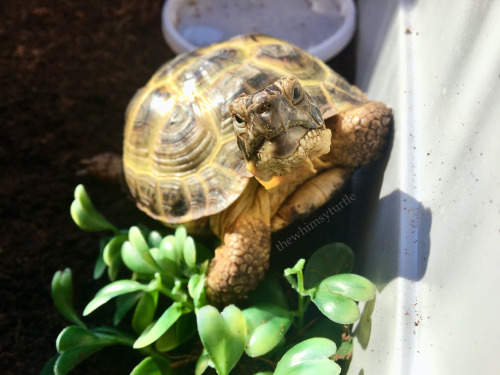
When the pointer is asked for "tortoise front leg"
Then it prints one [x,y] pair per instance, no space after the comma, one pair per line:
[310,196]
[243,257]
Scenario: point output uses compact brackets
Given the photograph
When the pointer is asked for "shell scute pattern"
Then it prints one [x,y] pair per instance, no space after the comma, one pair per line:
[182,145]
[292,59]
[174,200]
[203,72]
[181,159]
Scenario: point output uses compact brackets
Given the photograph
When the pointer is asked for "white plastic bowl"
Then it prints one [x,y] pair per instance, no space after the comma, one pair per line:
[322,27]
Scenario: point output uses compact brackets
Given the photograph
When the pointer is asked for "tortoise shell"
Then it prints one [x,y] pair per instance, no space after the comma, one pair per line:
[181,159]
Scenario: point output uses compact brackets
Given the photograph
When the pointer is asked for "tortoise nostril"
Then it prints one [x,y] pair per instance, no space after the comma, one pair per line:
[263,108]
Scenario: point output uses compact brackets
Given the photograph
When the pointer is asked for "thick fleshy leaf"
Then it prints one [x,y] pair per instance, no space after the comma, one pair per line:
[100,266]
[223,335]
[113,290]
[77,343]
[336,307]
[189,253]
[85,215]
[350,285]
[335,296]
[123,305]
[62,294]
[196,288]
[144,311]
[309,357]
[137,239]
[202,363]
[328,260]
[320,366]
[269,291]
[267,325]
[180,238]
[168,266]
[48,368]
[112,254]
[183,329]
[137,261]
[157,329]
[154,238]
[167,246]
[152,366]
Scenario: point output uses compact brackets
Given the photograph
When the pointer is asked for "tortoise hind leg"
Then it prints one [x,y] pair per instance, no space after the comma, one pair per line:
[106,166]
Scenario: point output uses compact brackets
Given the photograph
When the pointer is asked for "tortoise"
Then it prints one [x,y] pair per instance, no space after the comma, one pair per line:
[241,138]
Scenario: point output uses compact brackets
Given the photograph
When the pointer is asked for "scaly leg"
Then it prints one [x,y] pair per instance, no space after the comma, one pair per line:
[311,195]
[243,257]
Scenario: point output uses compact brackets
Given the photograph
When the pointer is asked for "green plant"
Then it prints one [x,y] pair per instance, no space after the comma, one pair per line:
[157,280]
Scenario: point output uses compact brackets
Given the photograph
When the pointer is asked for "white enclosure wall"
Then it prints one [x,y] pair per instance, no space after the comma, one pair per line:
[427,229]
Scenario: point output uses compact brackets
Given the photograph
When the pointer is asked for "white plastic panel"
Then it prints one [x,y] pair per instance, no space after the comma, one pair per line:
[428,233]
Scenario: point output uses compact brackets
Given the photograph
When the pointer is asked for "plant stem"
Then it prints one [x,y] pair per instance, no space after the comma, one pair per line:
[300,280]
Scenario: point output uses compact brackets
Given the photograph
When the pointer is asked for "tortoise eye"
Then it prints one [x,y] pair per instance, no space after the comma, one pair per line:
[238,119]
[297,95]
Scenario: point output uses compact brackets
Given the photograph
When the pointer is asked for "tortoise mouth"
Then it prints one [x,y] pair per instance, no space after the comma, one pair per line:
[295,142]
[272,170]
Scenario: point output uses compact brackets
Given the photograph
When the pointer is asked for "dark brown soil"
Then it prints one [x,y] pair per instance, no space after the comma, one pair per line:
[67,71]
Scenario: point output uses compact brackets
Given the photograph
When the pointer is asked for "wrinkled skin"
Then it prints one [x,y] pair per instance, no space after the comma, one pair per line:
[299,160]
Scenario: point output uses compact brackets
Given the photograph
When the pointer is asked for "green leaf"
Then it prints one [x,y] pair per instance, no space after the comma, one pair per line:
[152,366]
[85,215]
[335,296]
[196,289]
[100,266]
[167,245]
[328,260]
[320,366]
[145,311]
[352,286]
[112,290]
[137,239]
[154,238]
[202,363]
[168,267]
[267,325]
[77,343]
[189,253]
[309,357]
[264,373]
[62,294]
[154,331]
[48,368]
[336,307]
[180,238]
[137,261]
[112,254]
[223,335]
[183,329]
[269,291]
[123,305]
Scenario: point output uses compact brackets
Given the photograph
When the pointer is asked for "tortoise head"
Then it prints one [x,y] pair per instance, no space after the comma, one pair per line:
[279,129]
